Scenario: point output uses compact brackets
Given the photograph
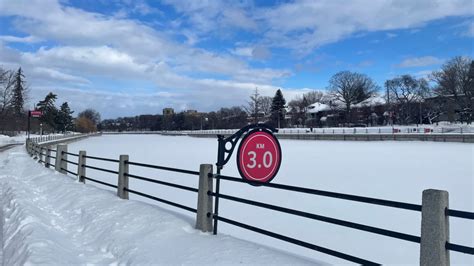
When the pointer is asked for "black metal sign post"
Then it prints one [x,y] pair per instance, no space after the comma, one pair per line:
[225,149]
[29,117]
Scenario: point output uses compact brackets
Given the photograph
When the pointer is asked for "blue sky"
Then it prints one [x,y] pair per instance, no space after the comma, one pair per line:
[125,57]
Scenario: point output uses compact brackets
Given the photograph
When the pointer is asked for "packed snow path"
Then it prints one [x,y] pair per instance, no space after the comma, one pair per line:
[49,218]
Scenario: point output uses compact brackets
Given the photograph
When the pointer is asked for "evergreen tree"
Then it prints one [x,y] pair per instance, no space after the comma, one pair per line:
[278,109]
[64,120]
[49,110]
[19,90]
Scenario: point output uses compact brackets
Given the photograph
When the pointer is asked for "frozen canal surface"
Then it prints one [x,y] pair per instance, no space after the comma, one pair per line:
[397,171]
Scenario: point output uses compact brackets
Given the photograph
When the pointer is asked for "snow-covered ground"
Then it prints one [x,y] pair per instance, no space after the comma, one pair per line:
[389,170]
[5,140]
[50,219]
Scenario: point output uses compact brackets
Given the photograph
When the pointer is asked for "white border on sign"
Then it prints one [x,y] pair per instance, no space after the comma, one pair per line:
[274,164]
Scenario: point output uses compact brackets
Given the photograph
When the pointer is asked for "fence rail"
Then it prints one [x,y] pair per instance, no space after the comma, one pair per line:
[162,200]
[375,201]
[177,170]
[434,210]
[321,218]
[163,183]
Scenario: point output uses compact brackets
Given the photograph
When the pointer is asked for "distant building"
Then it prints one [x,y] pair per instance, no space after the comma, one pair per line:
[168,111]
[191,111]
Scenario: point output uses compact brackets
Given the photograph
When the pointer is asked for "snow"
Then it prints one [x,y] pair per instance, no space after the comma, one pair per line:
[5,140]
[397,171]
[318,107]
[49,218]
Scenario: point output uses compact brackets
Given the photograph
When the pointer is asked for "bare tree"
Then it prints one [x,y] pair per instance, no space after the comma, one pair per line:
[299,106]
[453,81]
[253,107]
[351,88]
[90,114]
[313,97]
[265,104]
[406,90]
[7,81]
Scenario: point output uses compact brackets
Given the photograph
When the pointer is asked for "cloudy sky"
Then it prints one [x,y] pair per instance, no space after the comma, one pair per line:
[125,57]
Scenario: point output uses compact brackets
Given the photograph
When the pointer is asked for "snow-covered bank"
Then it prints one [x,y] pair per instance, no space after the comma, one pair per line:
[49,218]
[5,140]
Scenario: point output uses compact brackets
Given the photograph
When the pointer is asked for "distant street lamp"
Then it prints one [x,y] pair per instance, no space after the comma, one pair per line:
[41,129]
[205,119]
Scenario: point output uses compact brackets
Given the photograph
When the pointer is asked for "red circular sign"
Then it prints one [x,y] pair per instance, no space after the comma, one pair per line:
[259,156]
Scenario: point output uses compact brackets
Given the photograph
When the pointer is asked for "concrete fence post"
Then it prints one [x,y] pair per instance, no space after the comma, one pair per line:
[81,166]
[47,159]
[35,151]
[29,147]
[40,154]
[434,228]
[61,158]
[123,177]
[204,204]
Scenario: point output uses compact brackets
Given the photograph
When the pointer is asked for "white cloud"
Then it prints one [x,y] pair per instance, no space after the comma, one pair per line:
[253,52]
[56,75]
[211,16]
[114,46]
[261,52]
[242,51]
[27,39]
[303,25]
[420,61]
[74,27]
[307,24]
[423,74]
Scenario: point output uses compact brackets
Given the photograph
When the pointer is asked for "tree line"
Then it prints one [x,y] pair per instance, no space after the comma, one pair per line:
[447,93]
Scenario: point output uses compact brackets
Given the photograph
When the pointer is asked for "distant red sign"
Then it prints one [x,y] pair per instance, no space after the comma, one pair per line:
[36,113]
[259,156]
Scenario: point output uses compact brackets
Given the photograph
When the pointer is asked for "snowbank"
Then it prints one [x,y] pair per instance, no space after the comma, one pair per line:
[49,218]
[4,140]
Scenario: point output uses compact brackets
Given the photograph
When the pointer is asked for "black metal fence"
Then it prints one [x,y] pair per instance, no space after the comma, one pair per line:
[45,155]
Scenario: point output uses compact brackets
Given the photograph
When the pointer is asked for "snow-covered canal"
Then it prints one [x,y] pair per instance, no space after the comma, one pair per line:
[389,170]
